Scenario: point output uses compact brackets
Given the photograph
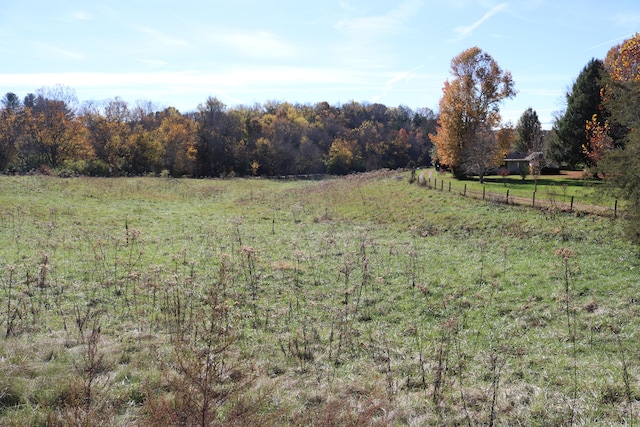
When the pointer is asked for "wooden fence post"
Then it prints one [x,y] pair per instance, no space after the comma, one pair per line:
[571,208]
[465,190]
[449,186]
[615,210]
[441,185]
[507,196]
[483,192]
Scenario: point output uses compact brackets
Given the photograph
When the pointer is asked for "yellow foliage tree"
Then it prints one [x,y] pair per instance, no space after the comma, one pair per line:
[468,108]
[178,139]
[622,65]
[623,60]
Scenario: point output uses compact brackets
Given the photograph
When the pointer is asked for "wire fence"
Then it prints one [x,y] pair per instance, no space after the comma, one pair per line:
[550,200]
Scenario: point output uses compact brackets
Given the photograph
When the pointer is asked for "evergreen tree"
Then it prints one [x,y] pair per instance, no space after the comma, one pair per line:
[583,101]
[529,135]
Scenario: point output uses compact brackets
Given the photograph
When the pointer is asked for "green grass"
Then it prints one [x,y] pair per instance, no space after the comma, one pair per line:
[559,188]
[351,301]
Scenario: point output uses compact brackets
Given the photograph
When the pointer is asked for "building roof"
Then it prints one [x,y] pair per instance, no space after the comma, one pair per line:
[516,156]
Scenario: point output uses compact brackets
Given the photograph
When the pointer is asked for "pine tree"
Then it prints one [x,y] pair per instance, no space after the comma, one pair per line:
[583,101]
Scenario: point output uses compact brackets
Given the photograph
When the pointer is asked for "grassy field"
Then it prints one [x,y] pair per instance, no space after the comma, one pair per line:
[356,301]
[550,190]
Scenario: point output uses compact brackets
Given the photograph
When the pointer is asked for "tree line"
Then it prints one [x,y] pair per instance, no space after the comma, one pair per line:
[48,131]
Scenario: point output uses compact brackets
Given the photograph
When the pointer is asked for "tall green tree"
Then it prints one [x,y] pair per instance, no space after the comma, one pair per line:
[529,135]
[469,109]
[583,101]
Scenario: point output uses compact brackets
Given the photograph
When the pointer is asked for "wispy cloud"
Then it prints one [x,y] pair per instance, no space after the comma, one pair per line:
[611,42]
[397,77]
[57,52]
[152,62]
[254,44]
[346,6]
[466,31]
[380,24]
[81,16]
[162,38]
[366,43]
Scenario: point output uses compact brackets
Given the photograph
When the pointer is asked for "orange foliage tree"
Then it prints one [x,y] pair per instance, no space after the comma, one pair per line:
[468,108]
[623,60]
[622,65]
[599,140]
[57,133]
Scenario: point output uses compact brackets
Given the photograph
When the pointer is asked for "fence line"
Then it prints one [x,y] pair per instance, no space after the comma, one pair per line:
[550,203]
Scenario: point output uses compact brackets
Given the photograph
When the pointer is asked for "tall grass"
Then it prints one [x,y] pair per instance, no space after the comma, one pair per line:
[356,301]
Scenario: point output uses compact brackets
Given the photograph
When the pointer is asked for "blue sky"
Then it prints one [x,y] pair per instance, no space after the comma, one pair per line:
[396,52]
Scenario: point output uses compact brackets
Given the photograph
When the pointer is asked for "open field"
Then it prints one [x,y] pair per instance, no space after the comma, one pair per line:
[568,191]
[356,301]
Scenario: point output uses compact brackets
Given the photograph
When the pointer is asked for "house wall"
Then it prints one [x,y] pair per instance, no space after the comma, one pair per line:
[514,167]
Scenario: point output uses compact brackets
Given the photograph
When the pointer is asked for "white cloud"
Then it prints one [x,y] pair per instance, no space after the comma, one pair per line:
[254,44]
[367,26]
[163,38]
[366,43]
[242,77]
[184,90]
[466,31]
[82,16]
[153,62]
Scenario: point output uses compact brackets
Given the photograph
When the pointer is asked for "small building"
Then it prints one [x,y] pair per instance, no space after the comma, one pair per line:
[515,161]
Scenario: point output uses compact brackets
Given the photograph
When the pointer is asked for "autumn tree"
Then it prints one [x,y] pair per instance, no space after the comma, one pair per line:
[344,156]
[109,124]
[218,133]
[144,151]
[285,127]
[469,108]
[619,97]
[599,140]
[10,129]
[621,163]
[607,129]
[178,139]
[56,134]
[623,60]
[112,137]
[583,101]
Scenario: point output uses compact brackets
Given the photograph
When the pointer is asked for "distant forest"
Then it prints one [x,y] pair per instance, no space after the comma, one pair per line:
[48,132]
